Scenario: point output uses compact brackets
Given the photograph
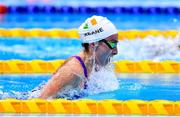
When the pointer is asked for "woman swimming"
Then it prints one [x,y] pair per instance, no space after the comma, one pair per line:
[99,40]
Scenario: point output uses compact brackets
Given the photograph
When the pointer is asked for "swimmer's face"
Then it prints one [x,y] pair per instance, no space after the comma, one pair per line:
[107,48]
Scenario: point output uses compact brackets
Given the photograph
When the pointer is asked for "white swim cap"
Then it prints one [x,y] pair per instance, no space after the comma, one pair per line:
[95,29]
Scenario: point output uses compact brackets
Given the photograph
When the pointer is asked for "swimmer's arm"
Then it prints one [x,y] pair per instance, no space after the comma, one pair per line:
[58,80]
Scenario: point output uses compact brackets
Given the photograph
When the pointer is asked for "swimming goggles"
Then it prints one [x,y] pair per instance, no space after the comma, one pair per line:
[111,45]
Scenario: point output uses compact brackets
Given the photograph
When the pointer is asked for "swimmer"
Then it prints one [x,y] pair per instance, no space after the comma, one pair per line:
[99,40]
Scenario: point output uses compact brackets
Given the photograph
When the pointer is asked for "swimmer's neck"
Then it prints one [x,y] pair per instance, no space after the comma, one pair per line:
[89,61]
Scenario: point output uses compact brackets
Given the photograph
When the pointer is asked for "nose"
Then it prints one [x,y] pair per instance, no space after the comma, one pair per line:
[114,51]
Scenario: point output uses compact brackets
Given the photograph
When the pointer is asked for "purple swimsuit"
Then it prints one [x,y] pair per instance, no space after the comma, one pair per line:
[84,69]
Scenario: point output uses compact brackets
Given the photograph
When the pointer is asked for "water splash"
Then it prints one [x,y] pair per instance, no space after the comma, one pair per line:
[102,81]
[150,48]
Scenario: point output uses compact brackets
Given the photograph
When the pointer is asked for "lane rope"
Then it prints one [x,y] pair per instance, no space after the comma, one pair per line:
[123,66]
[87,9]
[73,33]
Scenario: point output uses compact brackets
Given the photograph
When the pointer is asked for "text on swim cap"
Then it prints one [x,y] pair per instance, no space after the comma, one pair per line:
[94,32]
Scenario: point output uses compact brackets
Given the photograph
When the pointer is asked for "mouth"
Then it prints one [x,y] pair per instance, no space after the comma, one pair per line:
[109,59]
[106,61]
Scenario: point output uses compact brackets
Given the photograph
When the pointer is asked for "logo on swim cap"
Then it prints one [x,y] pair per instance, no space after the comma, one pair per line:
[94,32]
[95,29]
[85,26]
[93,21]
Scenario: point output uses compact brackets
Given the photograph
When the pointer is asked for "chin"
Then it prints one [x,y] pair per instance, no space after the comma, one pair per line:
[107,61]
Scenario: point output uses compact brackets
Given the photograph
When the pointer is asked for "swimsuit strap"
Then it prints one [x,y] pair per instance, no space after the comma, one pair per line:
[83,65]
[84,68]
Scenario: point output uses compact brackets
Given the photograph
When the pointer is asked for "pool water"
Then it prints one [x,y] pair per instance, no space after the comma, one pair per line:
[148,87]
[51,49]
[69,21]
[134,86]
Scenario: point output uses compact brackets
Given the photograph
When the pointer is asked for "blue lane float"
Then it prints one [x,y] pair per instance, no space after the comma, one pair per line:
[85,9]
[172,10]
[68,9]
[136,10]
[100,9]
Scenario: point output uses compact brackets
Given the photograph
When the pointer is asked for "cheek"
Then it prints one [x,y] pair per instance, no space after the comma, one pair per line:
[103,51]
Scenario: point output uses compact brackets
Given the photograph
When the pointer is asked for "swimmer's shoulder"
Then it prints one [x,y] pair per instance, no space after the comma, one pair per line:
[72,65]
